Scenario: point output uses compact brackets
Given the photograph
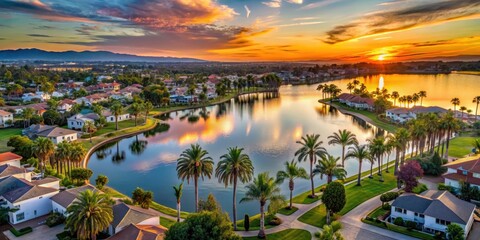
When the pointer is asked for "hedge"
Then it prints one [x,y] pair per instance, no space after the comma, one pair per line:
[21,232]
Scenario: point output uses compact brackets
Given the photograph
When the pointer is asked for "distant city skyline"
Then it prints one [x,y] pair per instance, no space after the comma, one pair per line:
[248,30]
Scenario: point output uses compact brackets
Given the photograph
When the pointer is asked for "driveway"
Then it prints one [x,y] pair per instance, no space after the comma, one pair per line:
[42,232]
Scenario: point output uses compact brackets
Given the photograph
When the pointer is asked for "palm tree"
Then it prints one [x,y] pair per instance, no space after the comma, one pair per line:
[234,166]
[136,110]
[477,101]
[264,189]
[311,149]
[455,102]
[422,95]
[463,109]
[395,96]
[415,98]
[89,127]
[388,149]
[409,100]
[344,138]
[43,148]
[291,172]
[328,166]
[350,86]
[27,114]
[360,153]
[116,109]
[371,160]
[193,164]
[62,155]
[400,142]
[178,196]
[77,153]
[450,124]
[147,107]
[91,214]
[377,149]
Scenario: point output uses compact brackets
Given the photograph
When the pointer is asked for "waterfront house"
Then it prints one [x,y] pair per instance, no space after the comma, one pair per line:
[54,133]
[9,158]
[124,215]
[6,119]
[433,211]
[356,101]
[140,232]
[402,115]
[110,117]
[62,200]
[463,170]
[77,121]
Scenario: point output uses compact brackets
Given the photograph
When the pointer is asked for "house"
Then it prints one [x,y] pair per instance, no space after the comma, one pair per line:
[66,105]
[27,199]
[356,101]
[6,119]
[16,171]
[463,170]
[91,99]
[124,215]
[9,158]
[54,133]
[77,121]
[433,211]
[140,232]
[402,115]
[62,200]
[104,87]
[110,117]
[27,97]
[38,108]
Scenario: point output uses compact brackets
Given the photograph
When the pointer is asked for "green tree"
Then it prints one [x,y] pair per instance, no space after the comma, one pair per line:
[360,153]
[331,232]
[193,164]
[343,138]
[136,108]
[27,114]
[263,189]
[455,232]
[147,107]
[377,150]
[62,155]
[328,166]
[21,145]
[89,127]
[116,109]
[310,149]
[450,124]
[209,205]
[203,226]
[101,181]
[43,148]
[91,214]
[291,172]
[142,198]
[178,192]
[52,117]
[477,101]
[233,166]
[334,198]
[81,174]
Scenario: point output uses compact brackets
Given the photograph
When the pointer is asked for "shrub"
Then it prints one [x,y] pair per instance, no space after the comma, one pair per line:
[112,134]
[101,181]
[81,174]
[410,225]
[368,218]
[274,220]
[322,188]
[21,232]
[386,206]
[398,221]
[388,196]
[420,188]
[246,222]
[55,219]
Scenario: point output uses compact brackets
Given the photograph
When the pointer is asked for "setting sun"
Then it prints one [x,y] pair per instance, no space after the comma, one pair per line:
[381,57]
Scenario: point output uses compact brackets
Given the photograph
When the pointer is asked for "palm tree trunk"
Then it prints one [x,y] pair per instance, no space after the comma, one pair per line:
[196,194]
[178,211]
[135,120]
[397,158]
[261,233]
[116,122]
[388,159]
[291,186]
[359,172]
[328,216]
[311,176]
[235,203]
[448,143]
[379,165]
[343,155]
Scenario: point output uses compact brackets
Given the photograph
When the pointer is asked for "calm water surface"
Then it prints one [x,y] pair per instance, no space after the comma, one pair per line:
[266,125]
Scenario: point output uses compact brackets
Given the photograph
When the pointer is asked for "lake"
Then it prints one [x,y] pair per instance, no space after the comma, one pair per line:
[266,125]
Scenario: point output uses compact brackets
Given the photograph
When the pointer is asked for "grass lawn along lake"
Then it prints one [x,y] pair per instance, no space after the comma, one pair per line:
[5,135]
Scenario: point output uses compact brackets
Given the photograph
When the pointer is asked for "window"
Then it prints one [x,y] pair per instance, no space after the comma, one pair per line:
[464,172]
[399,210]
[35,212]
[422,216]
[476,175]
[442,222]
[20,216]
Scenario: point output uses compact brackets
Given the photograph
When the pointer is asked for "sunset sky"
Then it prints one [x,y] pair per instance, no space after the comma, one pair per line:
[247,30]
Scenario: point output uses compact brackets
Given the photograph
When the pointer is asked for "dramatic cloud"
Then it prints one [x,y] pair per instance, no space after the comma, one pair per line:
[405,18]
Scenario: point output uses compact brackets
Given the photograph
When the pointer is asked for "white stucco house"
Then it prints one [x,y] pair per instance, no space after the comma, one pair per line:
[110,117]
[433,211]
[54,133]
[10,159]
[463,170]
[77,121]
[402,115]
[6,119]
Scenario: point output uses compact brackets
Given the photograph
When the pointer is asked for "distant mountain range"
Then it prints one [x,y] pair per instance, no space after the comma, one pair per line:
[34,54]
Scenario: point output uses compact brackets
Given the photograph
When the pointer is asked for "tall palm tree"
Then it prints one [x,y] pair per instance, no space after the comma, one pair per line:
[89,127]
[328,166]
[43,148]
[77,153]
[371,160]
[233,166]
[344,138]
[193,164]
[415,98]
[455,102]
[116,109]
[389,146]
[178,196]
[27,114]
[310,149]
[360,153]
[477,101]
[147,107]
[463,109]
[291,172]
[62,155]
[91,214]
[136,108]
[450,124]
[422,94]
[395,96]
[377,149]
[263,189]
[400,142]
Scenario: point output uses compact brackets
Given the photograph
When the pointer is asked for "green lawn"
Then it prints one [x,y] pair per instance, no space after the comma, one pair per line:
[5,134]
[355,196]
[304,198]
[254,223]
[286,211]
[402,230]
[166,222]
[110,127]
[460,146]
[378,212]
[290,234]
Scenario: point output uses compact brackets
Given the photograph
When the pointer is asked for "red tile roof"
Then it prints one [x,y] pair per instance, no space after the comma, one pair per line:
[470,164]
[9,156]
[465,178]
